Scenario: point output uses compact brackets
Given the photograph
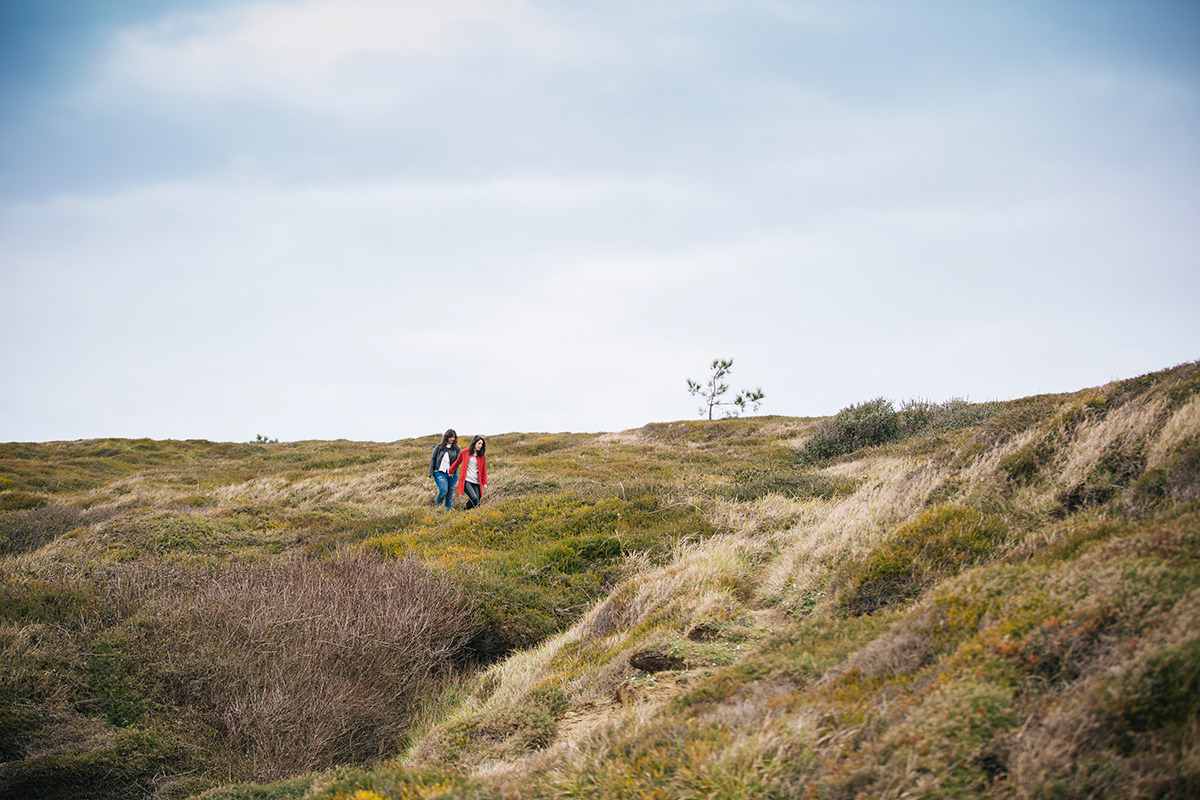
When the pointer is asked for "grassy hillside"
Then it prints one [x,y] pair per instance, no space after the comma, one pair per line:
[931,600]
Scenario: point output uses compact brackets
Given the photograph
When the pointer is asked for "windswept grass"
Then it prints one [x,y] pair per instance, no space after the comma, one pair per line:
[936,600]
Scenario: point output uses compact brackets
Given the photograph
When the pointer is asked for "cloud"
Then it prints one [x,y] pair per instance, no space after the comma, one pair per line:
[316,53]
[370,219]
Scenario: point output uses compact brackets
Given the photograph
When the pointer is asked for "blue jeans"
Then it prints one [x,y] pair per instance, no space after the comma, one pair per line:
[445,483]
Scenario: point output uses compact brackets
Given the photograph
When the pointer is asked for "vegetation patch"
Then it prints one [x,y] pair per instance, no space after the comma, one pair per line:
[877,422]
[306,664]
[754,484]
[1023,465]
[502,733]
[134,762]
[533,565]
[939,543]
[26,530]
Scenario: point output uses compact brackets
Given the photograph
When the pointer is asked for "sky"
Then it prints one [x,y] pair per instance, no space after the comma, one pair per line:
[376,219]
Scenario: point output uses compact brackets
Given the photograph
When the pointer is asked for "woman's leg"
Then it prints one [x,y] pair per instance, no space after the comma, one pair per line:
[445,489]
[473,494]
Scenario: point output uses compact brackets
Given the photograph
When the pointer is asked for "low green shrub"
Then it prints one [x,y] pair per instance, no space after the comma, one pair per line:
[17,723]
[342,461]
[868,424]
[1176,480]
[1023,465]
[20,501]
[112,688]
[64,602]
[922,417]
[877,422]
[1121,466]
[1016,417]
[937,544]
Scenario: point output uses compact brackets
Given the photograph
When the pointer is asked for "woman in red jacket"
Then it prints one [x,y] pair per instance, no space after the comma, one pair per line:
[473,477]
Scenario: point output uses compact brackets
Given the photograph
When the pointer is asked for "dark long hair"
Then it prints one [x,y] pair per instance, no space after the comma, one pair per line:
[482,448]
[446,436]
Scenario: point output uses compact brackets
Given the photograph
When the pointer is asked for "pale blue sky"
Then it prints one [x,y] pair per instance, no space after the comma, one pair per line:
[374,219]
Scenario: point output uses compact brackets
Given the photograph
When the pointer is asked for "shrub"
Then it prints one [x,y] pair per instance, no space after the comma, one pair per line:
[1014,418]
[18,501]
[868,424]
[1117,469]
[1023,465]
[64,604]
[1177,479]
[307,664]
[1161,690]
[876,422]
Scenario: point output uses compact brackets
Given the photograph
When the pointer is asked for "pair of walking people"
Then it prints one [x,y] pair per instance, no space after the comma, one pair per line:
[469,467]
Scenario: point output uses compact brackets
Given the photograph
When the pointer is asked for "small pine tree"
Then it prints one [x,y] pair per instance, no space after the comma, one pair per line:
[714,389]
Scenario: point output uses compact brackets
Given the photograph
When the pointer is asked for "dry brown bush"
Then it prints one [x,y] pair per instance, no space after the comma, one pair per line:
[306,664]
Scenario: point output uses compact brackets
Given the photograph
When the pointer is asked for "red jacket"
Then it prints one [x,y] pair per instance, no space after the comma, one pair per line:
[462,476]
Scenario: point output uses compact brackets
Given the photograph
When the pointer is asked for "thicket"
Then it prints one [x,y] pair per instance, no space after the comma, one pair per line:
[877,422]
[280,668]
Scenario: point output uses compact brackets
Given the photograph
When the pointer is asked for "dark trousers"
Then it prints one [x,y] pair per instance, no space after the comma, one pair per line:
[473,494]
